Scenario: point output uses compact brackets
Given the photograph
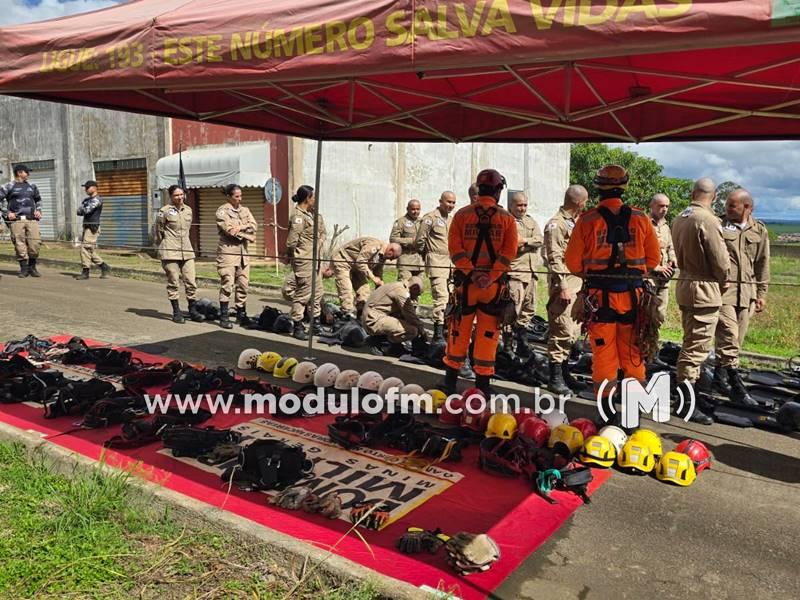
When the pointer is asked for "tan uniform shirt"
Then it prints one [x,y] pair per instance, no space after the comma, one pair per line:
[665,243]
[364,256]
[556,236]
[529,245]
[391,300]
[432,242]
[237,228]
[748,248]
[404,232]
[173,226]
[300,241]
[701,254]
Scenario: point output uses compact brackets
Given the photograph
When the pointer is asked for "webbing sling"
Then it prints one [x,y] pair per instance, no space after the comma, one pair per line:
[484,238]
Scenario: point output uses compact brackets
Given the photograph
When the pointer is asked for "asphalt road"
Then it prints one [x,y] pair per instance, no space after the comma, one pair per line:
[734,534]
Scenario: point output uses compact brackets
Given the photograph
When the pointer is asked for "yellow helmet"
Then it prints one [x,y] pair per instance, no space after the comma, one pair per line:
[438,398]
[568,435]
[501,425]
[677,468]
[267,361]
[285,368]
[650,439]
[599,451]
[636,456]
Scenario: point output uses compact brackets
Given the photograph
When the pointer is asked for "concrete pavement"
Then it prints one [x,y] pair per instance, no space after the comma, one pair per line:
[731,535]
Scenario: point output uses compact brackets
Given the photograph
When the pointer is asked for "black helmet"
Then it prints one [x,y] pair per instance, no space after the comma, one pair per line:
[266,321]
[353,334]
[283,324]
[436,351]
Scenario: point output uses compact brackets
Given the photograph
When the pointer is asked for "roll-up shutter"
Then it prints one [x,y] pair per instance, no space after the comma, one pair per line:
[210,200]
[43,176]
[122,184]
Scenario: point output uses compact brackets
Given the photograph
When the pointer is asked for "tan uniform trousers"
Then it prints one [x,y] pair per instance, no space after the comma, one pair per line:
[175,269]
[289,286]
[234,276]
[393,328]
[441,294]
[730,333]
[89,255]
[404,273]
[698,332]
[301,296]
[663,297]
[26,237]
[352,285]
[524,296]
[563,330]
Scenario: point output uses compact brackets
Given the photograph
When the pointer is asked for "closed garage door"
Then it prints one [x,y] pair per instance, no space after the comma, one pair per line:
[210,199]
[43,176]
[122,184]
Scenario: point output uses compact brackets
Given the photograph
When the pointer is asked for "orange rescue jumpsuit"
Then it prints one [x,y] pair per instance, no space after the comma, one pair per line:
[588,251]
[479,304]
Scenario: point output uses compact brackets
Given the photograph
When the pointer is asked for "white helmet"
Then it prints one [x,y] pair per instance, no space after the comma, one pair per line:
[554,418]
[411,389]
[370,381]
[248,358]
[304,372]
[615,435]
[347,380]
[326,375]
[389,383]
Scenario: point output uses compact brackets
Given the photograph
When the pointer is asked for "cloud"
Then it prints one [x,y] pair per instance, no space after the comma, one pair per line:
[14,12]
[767,169]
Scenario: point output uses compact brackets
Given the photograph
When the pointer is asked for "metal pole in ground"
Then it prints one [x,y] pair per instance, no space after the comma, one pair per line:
[315,258]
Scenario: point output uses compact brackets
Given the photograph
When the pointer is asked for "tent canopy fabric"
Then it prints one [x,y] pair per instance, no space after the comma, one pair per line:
[414,70]
[215,166]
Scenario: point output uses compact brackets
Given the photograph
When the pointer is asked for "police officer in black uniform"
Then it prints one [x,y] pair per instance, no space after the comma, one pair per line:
[21,208]
[90,209]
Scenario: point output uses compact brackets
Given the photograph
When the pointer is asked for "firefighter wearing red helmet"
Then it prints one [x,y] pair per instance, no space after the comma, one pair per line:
[612,247]
[482,242]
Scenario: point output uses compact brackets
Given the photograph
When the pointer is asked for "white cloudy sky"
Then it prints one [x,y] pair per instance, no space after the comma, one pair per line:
[768,169]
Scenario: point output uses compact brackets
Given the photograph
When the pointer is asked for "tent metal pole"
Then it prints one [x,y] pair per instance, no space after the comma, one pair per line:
[315,258]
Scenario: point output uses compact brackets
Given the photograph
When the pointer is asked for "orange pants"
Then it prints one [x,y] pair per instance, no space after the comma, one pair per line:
[613,345]
[487,333]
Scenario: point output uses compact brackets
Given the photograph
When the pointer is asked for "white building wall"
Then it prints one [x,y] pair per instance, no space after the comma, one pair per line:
[367,185]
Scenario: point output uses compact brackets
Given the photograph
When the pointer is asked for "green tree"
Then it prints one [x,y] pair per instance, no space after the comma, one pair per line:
[721,195]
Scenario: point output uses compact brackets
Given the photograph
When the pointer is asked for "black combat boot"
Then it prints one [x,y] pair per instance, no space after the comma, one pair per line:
[241,316]
[104,271]
[686,391]
[32,268]
[482,383]
[720,383]
[569,380]
[450,382]
[23,269]
[177,315]
[315,328]
[523,350]
[556,382]
[195,314]
[224,319]
[438,332]
[299,331]
[738,394]
[84,274]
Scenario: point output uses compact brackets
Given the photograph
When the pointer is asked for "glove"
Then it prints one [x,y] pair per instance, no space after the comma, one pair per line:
[471,553]
[376,519]
[329,505]
[291,498]
[417,540]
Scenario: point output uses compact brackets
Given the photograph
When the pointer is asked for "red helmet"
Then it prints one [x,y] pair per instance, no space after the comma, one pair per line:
[451,412]
[523,414]
[475,421]
[698,452]
[492,178]
[585,426]
[535,431]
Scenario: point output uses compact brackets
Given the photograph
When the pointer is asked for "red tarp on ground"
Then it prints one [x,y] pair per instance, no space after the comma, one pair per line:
[517,519]
[491,70]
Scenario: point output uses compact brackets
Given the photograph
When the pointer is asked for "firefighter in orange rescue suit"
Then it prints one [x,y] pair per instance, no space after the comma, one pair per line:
[613,247]
[482,243]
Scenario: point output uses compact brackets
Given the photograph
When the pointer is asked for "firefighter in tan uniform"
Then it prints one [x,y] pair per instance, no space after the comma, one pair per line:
[747,241]
[173,226]
[300,248]
[391,313]
[237,229]
[522,276]
[356,264]
[562,286]
[404,232]
[703,262]
[659,207]
[432,245]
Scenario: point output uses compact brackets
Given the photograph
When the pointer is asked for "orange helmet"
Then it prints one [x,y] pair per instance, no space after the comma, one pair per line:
[491,178]
[611,177]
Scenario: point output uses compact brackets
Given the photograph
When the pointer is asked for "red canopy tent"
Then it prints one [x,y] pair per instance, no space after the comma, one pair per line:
[491,70]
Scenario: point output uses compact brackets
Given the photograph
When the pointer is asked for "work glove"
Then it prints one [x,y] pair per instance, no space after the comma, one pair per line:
[376,519]
[329,505]
[417,540]
[291,498]
[471,553]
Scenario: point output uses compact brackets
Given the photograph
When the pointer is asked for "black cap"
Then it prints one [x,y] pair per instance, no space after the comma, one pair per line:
[18,168]
[90,183]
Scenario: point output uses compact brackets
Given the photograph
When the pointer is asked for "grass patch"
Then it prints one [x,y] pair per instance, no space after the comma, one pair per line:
[92,535]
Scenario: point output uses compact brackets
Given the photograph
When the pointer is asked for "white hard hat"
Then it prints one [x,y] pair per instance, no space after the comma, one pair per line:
[615,435]
[248,358]
[326,375]
[412,388]
[389,383]
[304,372]
[554,418]
[370,381]
[347,380]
